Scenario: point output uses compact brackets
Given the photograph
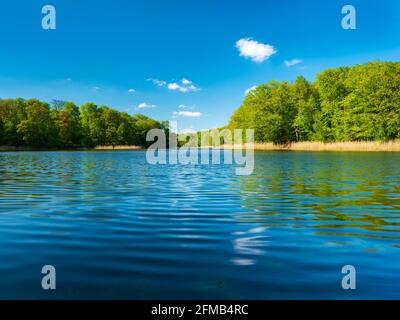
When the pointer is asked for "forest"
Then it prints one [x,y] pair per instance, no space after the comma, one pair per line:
[61,124]
[359,103]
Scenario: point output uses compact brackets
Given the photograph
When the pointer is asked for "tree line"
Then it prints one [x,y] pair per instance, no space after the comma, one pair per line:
[61,124]
[359,103]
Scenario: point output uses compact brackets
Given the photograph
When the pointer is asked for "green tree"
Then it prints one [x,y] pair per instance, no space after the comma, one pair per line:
[67,121]
[1,131]
[12,112]
[332,90]
[306,98]
[343,104]
[110,119]
[38,129]
[270,110]
[142,125]
[93,128]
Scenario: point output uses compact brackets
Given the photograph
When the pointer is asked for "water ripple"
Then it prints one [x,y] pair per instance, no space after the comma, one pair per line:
[117,227]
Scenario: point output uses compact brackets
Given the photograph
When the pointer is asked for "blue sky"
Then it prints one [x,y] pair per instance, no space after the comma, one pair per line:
[101,49]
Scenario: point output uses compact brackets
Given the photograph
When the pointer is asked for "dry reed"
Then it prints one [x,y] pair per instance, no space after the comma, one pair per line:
[366,146]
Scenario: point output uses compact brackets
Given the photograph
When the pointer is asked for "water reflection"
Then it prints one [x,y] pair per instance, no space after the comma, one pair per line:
[249,243]
[331,193]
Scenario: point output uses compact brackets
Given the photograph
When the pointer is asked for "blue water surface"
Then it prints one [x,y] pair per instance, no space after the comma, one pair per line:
[116,227]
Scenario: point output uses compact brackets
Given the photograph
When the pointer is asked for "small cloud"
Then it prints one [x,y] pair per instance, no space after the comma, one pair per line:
[144,105]
[157,82]
[293,62]
[190,114]
[173,86]
[182,106]
[254,50]
[184,86]
[186,82]
[249,90]
[193,88]
[131,90]
[95,89]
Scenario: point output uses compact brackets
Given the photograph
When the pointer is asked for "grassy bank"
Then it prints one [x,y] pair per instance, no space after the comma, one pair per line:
[363,146]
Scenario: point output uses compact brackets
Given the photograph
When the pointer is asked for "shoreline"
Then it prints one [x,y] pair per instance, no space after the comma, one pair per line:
[315,146]
[312,146]
[97,148]
[118,148]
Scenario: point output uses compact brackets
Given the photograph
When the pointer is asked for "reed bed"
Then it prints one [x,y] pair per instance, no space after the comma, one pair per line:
[362,146]
[118,148]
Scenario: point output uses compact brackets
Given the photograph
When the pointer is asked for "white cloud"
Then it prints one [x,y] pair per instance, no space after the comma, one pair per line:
[144,105]
[293,62]
[193,88]
[184,86]
[157,82]
[249,90]
[182,106]
[191,114]
[95,89]
[186,82]
[256,51]
[173,86]
[131,90]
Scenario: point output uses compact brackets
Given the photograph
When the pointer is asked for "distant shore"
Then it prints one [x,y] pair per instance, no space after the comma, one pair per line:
[356,146]
[118,148]
[360,146]
[25,148]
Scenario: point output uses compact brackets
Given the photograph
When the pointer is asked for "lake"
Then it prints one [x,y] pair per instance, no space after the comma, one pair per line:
[115,226]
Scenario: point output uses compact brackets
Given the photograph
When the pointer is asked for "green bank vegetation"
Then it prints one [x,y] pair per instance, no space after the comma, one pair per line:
[360,103]
[37,124]
[347,104]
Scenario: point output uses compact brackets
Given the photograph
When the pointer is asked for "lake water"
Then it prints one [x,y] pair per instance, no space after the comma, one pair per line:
[114,226]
